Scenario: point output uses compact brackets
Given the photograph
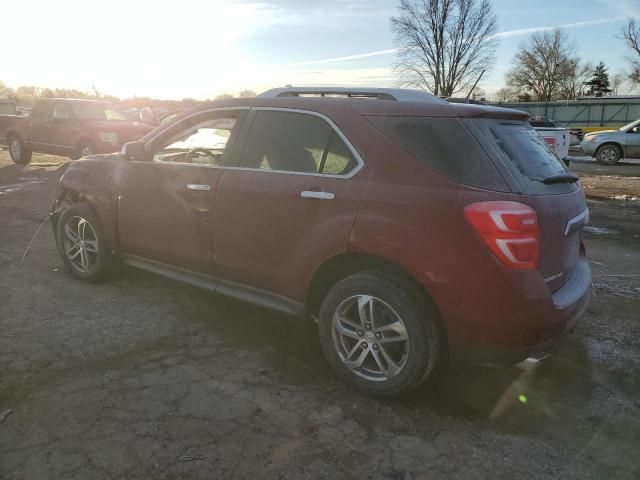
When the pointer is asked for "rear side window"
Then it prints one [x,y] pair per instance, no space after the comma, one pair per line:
[527,150]
[40,110]
[445,145]
[296,142]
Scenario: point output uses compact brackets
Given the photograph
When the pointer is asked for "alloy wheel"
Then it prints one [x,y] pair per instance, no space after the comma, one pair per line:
[16,149]
[370,338]
[608,155]
[80,244]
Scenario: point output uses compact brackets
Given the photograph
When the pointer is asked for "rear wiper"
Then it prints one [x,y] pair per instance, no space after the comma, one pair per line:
[560,178]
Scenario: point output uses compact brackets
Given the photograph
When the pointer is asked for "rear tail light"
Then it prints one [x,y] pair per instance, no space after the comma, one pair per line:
[510,230]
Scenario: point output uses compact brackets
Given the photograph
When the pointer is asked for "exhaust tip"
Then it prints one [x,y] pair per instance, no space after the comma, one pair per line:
[532,361]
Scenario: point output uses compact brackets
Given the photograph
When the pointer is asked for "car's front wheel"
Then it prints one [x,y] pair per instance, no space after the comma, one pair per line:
[18,151]
[82,244]
[608,154]
[378,334]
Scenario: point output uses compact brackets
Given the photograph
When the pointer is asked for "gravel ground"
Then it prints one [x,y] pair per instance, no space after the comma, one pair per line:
[145,378]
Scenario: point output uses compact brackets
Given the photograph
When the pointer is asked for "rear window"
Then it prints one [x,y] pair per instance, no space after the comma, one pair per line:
[7,109]
[444,145]
[527,150]
[542,124]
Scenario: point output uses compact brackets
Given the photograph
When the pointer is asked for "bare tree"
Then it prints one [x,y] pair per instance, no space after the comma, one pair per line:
[631,36]
[617,80]
[541,65]
[505,95]
[6,91]
[224,96]
[572,84]
[247,94]
[443,45]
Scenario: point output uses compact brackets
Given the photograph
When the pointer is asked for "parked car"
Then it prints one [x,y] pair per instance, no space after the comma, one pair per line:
[609,146]
[576,134]
[414,231]
[67,127]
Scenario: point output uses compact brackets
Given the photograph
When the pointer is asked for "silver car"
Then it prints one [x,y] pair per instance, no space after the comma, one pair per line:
[609,146]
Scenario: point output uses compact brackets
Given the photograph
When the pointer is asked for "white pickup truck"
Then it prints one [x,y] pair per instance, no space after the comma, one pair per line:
[557,138]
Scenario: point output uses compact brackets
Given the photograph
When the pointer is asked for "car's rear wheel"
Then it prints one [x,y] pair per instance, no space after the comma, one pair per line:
[82,245]
[84,149]
[608,154]
[18,152]
[378,334]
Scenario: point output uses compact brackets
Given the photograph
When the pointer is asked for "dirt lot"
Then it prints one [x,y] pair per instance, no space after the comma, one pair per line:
[145,378]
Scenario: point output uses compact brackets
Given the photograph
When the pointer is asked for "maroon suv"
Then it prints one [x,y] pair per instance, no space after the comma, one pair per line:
[412,230]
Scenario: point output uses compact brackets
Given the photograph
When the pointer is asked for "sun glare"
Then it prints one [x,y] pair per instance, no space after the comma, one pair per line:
[185,49]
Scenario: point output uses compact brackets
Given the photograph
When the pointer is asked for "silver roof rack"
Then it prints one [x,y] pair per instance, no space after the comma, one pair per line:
[396,94]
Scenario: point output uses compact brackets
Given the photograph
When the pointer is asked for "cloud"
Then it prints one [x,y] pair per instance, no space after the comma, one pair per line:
[506,34]
[524,31]
[357,56]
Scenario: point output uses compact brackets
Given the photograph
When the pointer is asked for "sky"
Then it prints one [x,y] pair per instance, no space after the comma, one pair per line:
[204,48]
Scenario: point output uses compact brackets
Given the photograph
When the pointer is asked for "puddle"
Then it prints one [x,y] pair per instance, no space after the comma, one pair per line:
[599,230]
[632,198]
[15,187]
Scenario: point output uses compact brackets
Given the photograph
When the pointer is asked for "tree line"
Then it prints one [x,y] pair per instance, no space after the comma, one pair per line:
[445,45]
[25,96]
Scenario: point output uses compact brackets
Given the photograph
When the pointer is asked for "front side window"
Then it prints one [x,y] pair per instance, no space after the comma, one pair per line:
[296,142]
[202,143]
[60,111]
[97,111]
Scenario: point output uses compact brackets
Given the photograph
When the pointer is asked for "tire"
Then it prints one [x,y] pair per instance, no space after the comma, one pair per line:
[398,312]
[85,148]
[18,152]
[82,245]
[608,154]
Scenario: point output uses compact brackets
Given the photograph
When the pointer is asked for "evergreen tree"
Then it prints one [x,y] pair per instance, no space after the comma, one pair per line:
[598,85]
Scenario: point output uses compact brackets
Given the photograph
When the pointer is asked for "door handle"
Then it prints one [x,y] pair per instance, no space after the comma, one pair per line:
[198,187]
[317,195]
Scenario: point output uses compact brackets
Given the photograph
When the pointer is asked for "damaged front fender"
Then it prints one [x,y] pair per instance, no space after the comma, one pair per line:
[96,181]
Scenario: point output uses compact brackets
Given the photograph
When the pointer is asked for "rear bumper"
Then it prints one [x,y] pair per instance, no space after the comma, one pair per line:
[565,308]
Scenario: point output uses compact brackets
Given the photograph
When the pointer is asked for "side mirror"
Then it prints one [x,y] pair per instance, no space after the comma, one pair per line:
[147,115]
[133,150]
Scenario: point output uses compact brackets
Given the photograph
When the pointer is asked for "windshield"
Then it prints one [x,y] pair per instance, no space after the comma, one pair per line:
[629,125]
[97,111]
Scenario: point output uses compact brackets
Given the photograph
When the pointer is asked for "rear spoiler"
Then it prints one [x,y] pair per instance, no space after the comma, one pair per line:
[488,111]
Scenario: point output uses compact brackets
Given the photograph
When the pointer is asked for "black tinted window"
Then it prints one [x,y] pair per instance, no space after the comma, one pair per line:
[445,145]
[295,142]
[527,150]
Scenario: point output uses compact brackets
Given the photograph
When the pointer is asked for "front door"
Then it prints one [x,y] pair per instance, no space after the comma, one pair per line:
[632,139]
[290,206]
[39,124]
[166,200]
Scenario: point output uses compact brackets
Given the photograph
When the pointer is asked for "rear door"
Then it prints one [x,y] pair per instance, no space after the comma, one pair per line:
[166,201]
[290,204]
[62,129]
